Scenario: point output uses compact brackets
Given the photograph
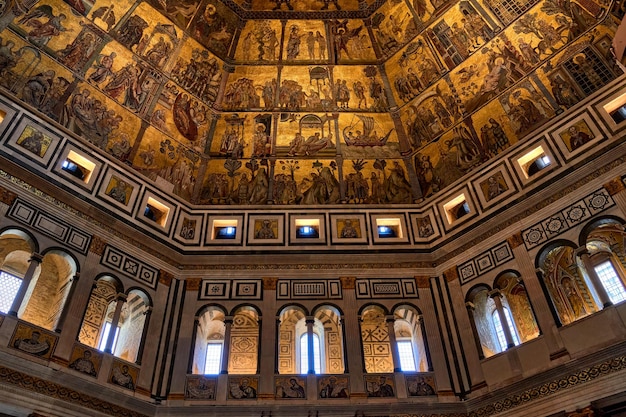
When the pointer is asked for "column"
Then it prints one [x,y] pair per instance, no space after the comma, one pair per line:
[228,324]
[353,351]
[585,257]
[311,352]
[258,349]
[393,345]
[144,334]
[35,261]
[194,335]
[470,313]
[66,302]
[342,325]
[121,299]
[420,322]
[496,296]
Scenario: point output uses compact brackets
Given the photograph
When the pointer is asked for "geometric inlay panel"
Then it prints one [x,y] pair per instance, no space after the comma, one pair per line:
[48,225]
[485,262]
[118,260]
[567,218]
[308,289]
[249,289]
[386,288]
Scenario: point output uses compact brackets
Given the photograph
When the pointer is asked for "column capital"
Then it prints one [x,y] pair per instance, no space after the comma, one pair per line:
[37,257]
[516,240]
[470,306]
[614,186]
[97,245]
[582,251]
[7,197]
[390,318]
[348,283]
[269,283]
[309,320]
[451,274]
[495,293]
[121,296]
[228,320]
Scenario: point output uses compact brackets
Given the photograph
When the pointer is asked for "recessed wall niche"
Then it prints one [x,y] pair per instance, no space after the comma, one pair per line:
[457,208]
[389,228]
[307,229]
[225,230]
[156,211]
[78,167]
[535,161]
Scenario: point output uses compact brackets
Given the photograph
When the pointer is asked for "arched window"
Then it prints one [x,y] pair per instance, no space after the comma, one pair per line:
[493,317]
[114,322]
[47,293]
[293,345]
[209,342]
[376,341]
[410,341]
[605,247]
[329,329]
[16,248]
[516,306]
[569,288]
[244,342]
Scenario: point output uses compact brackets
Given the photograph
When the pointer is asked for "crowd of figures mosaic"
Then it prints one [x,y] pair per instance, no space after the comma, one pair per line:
[388,105]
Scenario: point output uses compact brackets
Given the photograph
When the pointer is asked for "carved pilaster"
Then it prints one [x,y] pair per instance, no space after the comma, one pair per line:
[165,278]
[269,283]
[516,240]
[422,282]
[614,186]
[348,283]
[7,197]
[451,274]
[97,245]
[193,284]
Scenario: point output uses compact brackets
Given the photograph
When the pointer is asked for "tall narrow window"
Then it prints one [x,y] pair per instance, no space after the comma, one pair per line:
[500,330]
[611,282]
[105,336]
[407,358]
[213,358]
[9,286]
[304,354]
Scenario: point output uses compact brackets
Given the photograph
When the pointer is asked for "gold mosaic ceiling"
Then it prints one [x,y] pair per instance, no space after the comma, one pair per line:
[306,102]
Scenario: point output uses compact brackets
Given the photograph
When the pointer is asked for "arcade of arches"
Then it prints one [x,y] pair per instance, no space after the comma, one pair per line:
[298,208]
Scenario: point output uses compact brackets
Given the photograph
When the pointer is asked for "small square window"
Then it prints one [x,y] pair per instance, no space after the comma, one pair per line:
[224,229]
[388,228]
[156,211]
[456,208]
[617,109]
[78,166]
[534,161]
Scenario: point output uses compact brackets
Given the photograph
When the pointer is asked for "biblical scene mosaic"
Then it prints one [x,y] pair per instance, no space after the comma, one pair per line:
[309,102]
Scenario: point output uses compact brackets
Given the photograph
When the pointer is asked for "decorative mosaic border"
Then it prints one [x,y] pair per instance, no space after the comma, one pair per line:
[59,392]
[567,218]
[485,262]
[46,224]
[117,260]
